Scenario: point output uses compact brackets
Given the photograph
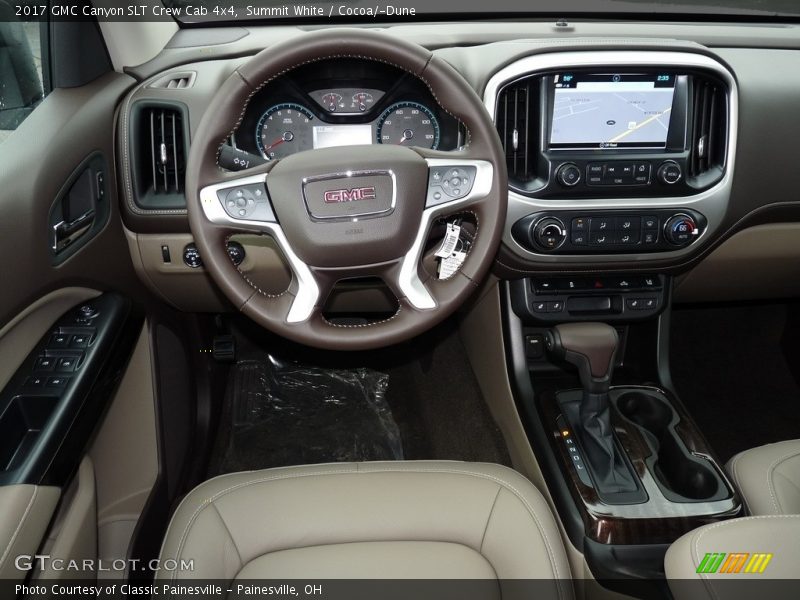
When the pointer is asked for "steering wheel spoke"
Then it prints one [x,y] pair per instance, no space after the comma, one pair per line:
[240,203]
[453,184]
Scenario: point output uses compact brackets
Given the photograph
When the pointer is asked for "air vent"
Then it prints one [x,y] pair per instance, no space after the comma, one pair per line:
[175,81]
[517,122]
[709,126]
[159,150]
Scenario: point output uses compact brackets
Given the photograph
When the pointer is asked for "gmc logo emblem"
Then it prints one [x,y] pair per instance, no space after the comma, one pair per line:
[359,193]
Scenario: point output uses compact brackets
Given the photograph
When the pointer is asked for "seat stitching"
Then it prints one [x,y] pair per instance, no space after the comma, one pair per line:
[19,525]
[497,480]
[489,518]
[770,473]
[230,535]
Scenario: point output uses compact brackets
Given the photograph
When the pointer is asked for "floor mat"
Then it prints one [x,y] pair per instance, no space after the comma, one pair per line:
[418,401]
[736,368]
[282,414]
[439,408]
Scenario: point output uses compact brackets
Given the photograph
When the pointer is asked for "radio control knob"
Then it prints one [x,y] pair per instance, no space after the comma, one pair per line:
[568,175]
[681,230]
[669,172]
[548,234]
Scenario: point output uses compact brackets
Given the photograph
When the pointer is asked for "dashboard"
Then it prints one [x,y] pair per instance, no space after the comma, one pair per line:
[589,191]
[342,103]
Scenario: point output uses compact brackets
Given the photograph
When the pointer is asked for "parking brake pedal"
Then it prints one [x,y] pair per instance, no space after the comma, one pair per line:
[224,348]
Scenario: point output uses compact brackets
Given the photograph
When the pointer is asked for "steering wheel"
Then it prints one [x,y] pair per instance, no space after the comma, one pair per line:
[341,213]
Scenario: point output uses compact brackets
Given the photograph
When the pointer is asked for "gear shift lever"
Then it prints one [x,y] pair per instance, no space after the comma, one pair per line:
[592,348]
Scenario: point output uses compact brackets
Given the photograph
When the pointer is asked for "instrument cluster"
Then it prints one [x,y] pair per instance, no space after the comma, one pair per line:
[343,103]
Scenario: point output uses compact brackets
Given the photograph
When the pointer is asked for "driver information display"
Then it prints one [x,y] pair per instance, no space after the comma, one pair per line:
[328,136]
[611,111]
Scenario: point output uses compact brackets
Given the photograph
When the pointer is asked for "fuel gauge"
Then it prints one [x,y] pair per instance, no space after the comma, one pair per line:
[332,101]
[362,101]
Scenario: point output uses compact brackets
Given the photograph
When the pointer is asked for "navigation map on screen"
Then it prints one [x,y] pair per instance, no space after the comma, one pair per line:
[611,110]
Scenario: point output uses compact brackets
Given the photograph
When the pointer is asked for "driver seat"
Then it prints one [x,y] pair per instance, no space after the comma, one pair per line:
[380,520]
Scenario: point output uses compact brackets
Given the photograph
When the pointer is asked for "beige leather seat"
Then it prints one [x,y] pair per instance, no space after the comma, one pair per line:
[418,520]
[761,553]
[759,560]
[769,478]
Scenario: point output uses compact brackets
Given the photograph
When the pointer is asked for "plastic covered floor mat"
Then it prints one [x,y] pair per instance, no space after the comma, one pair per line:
[281,414]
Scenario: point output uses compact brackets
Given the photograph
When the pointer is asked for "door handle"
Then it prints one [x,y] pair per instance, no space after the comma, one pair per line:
[66,232]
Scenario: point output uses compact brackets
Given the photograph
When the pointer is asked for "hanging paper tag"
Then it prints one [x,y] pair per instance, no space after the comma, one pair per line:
[450,241]
[448,266]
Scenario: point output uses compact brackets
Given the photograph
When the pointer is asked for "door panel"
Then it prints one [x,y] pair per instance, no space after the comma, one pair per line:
[61,245]
[73,534]
[39,160]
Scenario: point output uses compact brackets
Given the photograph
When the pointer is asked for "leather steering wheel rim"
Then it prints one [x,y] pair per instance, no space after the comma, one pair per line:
[424,300]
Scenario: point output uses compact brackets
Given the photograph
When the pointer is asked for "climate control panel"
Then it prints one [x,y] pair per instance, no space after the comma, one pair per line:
[609,232]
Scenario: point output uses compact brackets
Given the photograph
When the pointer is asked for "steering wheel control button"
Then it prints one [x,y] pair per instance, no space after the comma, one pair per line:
[568,175]
[669,173]
[247,202]
[449,183]
[191,257]
[681,230]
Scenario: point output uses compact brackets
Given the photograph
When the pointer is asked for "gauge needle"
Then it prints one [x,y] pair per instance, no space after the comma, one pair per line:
[277,142]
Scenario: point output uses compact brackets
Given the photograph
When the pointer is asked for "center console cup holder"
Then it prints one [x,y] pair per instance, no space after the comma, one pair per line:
[681,475]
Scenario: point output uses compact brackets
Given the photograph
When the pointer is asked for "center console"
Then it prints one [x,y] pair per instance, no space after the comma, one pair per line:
[620,165]
[628,469]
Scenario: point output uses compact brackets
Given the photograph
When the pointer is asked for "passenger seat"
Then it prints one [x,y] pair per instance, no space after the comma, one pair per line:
[768,478]
[753,556]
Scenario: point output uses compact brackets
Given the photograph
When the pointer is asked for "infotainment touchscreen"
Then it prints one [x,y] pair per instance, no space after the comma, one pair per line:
[611,110]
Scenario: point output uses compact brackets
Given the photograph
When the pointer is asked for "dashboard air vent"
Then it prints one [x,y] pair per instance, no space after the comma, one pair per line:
[159,147]
[517,122]
[709,126]
[176,81]
[164,154]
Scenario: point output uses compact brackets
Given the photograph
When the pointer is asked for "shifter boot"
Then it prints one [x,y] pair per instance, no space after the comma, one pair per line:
[611,472]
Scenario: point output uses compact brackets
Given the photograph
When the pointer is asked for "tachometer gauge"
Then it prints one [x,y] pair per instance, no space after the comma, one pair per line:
[408,124]
[284,129]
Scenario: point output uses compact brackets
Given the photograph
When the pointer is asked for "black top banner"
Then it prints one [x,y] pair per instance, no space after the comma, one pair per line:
[233,11]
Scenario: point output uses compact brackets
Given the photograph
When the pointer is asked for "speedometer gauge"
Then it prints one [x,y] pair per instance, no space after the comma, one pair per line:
[284,129]
[409,124]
